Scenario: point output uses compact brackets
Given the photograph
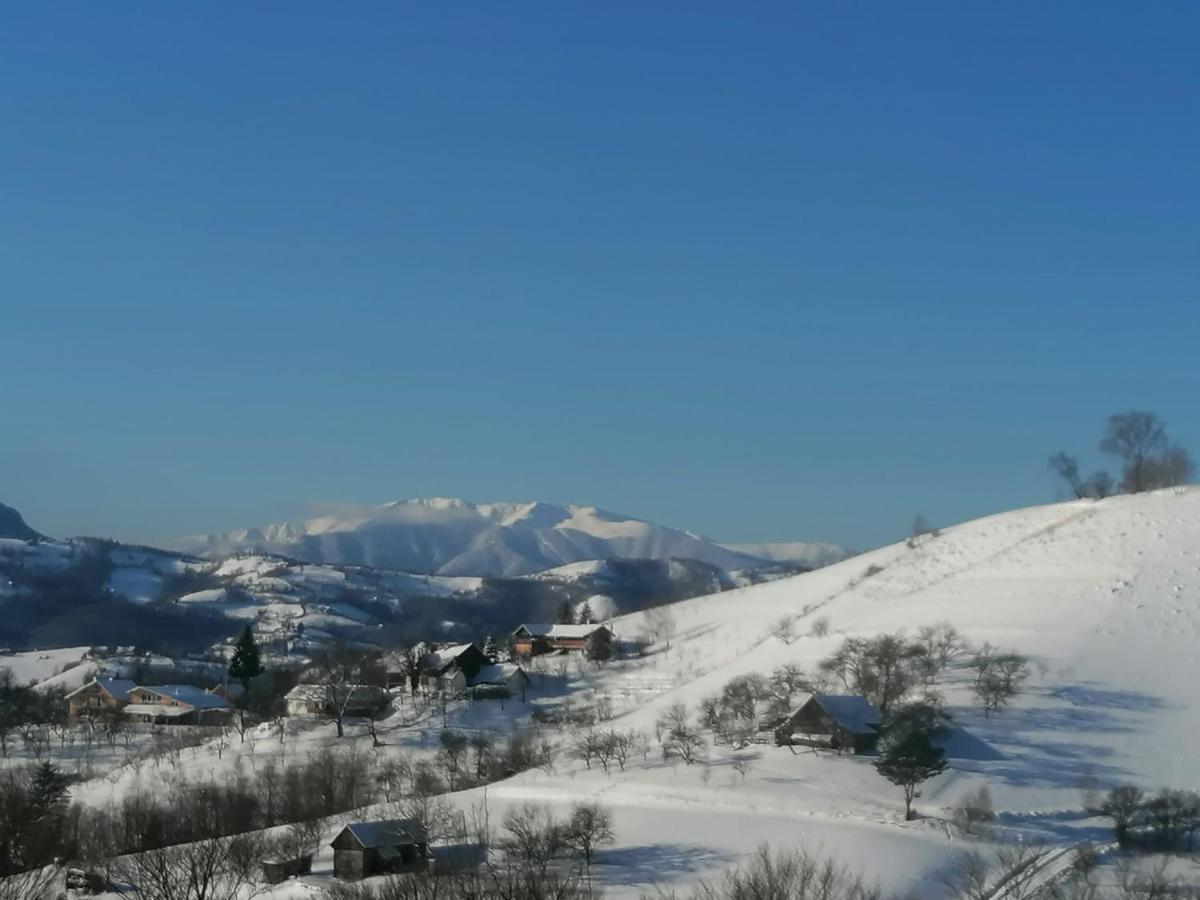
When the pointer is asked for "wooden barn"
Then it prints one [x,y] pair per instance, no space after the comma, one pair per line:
[834,721]
[363,849]
[594,641]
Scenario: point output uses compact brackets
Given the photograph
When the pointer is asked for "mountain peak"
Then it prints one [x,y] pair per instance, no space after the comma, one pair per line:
[449,536]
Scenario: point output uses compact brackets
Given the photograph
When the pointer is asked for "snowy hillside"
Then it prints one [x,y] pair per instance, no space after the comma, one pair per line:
[810,554]
[454,537]
[1105,596]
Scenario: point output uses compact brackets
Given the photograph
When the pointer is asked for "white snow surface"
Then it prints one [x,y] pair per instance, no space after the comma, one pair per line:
[454,537]
[813,554]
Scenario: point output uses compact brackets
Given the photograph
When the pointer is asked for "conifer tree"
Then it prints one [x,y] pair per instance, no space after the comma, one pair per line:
[245,663]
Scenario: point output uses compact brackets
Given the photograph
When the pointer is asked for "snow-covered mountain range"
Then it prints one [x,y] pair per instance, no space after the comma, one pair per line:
[454,537]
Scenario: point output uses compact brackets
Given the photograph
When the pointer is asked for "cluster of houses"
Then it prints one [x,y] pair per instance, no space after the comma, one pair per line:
[457,670]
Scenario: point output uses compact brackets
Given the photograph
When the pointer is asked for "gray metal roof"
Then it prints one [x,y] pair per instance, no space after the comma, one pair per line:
[197,698]
[387,833]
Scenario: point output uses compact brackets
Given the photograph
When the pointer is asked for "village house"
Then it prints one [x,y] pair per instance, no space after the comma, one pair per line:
[594,641]
[834,721]
[354,700]
[99,694]
[176,704]
[449,671]
[499,680]
[362,849]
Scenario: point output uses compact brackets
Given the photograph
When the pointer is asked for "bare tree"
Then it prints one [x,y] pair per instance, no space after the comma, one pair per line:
[219,869]
[660,625]
[590,826]
[998,678]
[1139,440]
[38,884]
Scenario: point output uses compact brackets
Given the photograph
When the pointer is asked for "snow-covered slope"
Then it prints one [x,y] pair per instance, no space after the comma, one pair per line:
[1104,595]
[812,554]
[454,537]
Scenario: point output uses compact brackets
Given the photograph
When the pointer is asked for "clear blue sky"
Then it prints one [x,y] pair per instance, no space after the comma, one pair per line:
[770,271]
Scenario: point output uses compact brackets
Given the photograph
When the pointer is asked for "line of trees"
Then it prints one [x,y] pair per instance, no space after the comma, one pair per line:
[1148,459]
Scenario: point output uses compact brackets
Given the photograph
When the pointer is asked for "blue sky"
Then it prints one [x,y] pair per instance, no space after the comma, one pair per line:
[772,272]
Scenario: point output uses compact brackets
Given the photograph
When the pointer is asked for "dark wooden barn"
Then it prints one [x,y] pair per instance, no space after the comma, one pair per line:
[362,849]
[835,721]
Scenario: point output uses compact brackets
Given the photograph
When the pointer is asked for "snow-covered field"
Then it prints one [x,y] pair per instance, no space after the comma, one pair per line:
[38,665]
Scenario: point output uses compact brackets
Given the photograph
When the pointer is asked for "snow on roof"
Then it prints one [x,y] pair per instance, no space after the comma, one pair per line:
[854,713]
[546,629]
[439,659]
[498,673]
[387,833]
[193,696]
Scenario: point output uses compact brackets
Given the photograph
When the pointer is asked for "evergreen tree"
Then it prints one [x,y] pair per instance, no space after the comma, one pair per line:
[585,614]
[565,616]
[48,788]
[490,650]
[909,756]
[245,663]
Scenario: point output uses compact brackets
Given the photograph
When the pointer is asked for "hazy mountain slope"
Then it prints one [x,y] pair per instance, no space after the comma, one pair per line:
[12,525]
[454,537]
[811,554]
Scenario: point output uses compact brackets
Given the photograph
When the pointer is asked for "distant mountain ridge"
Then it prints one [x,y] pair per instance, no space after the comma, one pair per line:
[13,526]
[443,536]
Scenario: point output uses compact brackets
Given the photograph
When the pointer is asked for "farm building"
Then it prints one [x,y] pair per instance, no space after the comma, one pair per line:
[500,680]
[176,704]
[99,694]
[595,641]
[449,671]
[837,721]
[355,700]
[362,849]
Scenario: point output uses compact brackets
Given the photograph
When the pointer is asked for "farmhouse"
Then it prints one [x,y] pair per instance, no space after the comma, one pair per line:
[176,704]
[362,849]
[594,641]
[500,680]
[837,721]
[355,700]
[99,694]
[449,671]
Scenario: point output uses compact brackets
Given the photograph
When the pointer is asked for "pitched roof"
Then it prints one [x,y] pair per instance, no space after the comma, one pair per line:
[387,833]
[555,630]
[118,688]
[497,673]
[198,698]
[850,711]
[440,659]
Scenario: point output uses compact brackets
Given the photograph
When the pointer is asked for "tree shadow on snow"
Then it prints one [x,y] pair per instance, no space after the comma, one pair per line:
[654,863]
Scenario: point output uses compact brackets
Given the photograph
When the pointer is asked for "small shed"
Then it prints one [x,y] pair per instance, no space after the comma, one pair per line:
[362,849]
[837,721]
[500,680]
